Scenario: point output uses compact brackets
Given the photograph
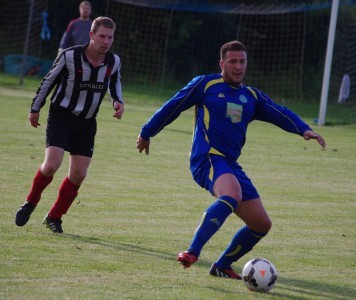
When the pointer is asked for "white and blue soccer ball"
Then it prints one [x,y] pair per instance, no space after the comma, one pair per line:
[259,275]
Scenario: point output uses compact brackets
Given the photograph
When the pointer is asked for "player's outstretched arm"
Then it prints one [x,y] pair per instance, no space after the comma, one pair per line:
[309,134]
[143,144]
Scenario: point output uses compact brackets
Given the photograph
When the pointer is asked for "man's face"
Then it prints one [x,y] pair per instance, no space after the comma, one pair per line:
[85,11]
[102,39]
[233,67]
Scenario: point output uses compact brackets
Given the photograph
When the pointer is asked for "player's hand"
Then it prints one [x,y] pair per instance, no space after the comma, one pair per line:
[119,110]
[143,144]
[309,134]
[33,118]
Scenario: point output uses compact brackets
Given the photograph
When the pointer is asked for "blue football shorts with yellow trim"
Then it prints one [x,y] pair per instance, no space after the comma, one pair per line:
[217,165]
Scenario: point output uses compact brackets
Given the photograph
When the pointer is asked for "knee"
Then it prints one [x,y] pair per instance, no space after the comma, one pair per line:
[48,169]
[265,225]
[77,176]
[236,196]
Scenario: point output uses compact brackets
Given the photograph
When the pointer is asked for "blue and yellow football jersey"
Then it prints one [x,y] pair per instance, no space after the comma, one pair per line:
[222,115]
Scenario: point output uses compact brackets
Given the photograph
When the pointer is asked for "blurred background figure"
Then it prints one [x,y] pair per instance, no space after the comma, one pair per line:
[77,32]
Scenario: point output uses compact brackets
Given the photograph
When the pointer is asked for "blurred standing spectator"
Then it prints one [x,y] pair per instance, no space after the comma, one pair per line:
[77,32]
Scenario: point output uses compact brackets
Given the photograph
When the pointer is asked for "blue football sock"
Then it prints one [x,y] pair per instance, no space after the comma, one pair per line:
[243,241]
[212,220]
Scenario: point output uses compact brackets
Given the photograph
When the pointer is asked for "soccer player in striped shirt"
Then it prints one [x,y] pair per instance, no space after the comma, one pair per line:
[81,76]
[224,107]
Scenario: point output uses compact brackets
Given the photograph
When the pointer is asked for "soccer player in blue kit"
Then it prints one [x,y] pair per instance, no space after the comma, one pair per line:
[224,107]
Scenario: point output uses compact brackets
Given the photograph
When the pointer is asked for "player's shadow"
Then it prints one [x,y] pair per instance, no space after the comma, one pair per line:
[117,245]
[303,289]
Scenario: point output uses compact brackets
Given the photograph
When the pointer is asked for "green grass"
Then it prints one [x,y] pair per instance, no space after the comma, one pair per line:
[134,212]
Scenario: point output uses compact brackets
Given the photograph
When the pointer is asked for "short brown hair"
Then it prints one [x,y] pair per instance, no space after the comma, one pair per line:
[231,46]
[85,3]
[102,21]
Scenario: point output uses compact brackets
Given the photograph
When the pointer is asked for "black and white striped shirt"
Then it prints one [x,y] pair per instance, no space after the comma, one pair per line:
[80,87]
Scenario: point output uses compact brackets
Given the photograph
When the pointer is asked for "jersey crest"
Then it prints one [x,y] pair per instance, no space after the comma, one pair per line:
[234,112]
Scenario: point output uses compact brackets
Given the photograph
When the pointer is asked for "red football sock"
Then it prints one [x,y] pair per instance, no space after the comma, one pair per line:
[38,185]
[67,193]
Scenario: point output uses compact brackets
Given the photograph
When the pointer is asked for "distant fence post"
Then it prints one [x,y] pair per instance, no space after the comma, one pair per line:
[328,61]
[25,48]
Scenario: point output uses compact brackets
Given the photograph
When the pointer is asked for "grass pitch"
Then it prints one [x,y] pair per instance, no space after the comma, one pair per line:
[134,212]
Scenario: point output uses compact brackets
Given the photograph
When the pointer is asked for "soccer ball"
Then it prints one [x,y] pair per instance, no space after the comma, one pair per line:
[259,275]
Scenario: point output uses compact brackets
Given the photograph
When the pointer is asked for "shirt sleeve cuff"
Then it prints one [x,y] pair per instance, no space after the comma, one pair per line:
[145,136]
[304,129]
[118,100]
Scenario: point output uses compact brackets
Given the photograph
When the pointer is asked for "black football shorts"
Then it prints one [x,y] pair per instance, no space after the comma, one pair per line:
[69,132]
